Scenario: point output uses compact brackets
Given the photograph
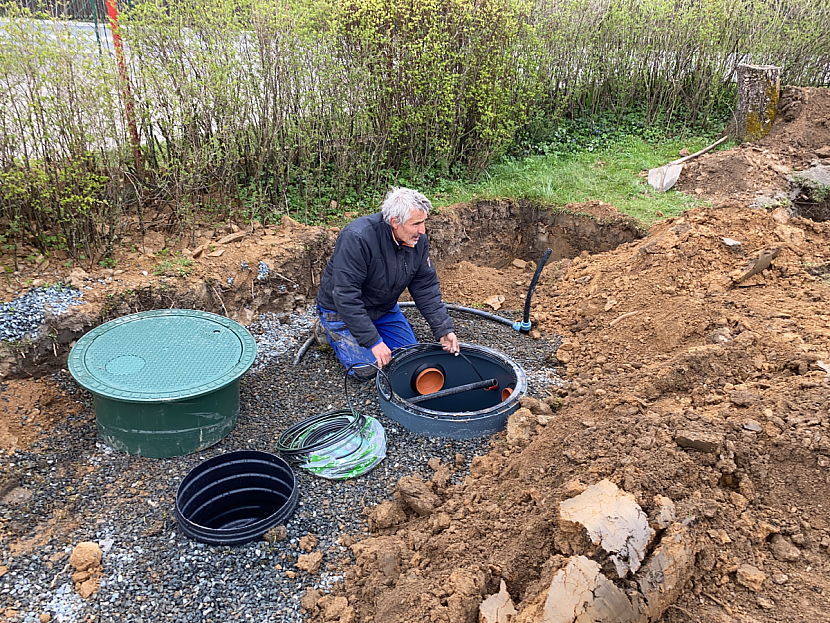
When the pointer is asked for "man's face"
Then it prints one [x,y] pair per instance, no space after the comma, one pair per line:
[412,230]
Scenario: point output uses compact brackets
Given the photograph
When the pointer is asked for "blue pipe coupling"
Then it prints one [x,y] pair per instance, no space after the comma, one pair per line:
[523,326]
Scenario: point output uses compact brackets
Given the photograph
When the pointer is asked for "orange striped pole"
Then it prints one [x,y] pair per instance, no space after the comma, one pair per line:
[112,10]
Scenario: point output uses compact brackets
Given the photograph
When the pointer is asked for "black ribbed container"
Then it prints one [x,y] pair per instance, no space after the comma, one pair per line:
[236,497]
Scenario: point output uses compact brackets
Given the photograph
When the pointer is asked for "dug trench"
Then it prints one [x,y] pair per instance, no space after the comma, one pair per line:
[222,275]
[696,366]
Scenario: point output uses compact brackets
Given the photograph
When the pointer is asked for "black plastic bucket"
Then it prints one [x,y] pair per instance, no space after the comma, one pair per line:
[236,497]
[461,416]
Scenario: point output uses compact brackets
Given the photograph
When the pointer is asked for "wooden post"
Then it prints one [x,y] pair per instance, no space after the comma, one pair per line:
[758,88]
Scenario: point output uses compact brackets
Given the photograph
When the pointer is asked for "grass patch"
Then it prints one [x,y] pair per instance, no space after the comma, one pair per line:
[611,174]
[178,266]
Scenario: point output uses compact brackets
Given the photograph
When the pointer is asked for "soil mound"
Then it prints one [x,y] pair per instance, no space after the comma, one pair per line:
[690,379]
[799,136]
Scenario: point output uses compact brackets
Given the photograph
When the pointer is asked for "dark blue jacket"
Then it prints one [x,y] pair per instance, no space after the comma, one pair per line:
[367,273]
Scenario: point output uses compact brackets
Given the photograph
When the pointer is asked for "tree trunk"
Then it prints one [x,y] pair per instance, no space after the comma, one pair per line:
[758,87]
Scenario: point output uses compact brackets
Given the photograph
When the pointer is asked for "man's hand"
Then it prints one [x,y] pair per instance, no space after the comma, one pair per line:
[382,354]
[450,343]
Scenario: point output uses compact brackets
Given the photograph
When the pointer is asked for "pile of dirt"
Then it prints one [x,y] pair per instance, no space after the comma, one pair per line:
[799,136]
[686,381]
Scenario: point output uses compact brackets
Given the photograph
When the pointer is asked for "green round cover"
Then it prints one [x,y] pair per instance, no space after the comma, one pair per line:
[170,354]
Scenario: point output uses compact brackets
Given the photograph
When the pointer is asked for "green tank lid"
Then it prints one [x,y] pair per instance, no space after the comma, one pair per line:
[162,355]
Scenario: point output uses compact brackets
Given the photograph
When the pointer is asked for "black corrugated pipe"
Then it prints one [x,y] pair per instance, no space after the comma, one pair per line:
[469,310]
[524,325]
[304,348]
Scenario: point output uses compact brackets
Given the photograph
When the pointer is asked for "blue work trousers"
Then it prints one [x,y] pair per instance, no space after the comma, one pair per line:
[394,330]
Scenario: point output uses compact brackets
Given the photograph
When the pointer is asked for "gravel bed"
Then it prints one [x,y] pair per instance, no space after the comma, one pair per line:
[23,317]
[82,490]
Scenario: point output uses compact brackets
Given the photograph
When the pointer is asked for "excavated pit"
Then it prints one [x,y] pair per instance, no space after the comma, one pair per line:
[494,233]
[811,193]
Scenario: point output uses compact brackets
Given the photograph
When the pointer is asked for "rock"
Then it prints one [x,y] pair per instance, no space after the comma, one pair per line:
[308,542]
[738,501]
[217,253]
[434,463]
[497,608]
[481,466]
[579,592]
[720,536]
[751,577]
[664,512]
[823,152]
[781,216]
[310,563]
[45,617]
[77,276]
[704,442]
[86,555]
[415,494]
[86,560]
[733,245]
[332,607]
[684,152]
[721,335]
[520,264]
[534,334]
[288,224]
[276,534]
[743,398]
[752,426]
[765,602]
[519,426]
[441,477]
[573,488]
[667,571]
[231,238]
[765,529]
[783,550]
[385,515]
[563,356]
[780,578]
[534,406]
[310,598]
[495,301]
[18,495]
[88,588]
[612,520]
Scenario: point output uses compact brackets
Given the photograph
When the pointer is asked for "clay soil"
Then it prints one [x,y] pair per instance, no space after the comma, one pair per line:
[663,336]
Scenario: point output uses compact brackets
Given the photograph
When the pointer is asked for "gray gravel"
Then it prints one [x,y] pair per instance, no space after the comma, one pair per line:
[23,317]
[152,572]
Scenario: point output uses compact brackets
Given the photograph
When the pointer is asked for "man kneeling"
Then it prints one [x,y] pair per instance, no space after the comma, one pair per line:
[375,259]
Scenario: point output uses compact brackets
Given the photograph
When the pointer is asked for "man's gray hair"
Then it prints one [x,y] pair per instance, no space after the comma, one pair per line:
[400,202]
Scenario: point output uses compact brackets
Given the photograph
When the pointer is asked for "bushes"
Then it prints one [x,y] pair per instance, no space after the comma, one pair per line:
[257,108]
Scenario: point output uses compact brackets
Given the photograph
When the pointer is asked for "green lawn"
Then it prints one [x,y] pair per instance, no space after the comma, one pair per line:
[611,174]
